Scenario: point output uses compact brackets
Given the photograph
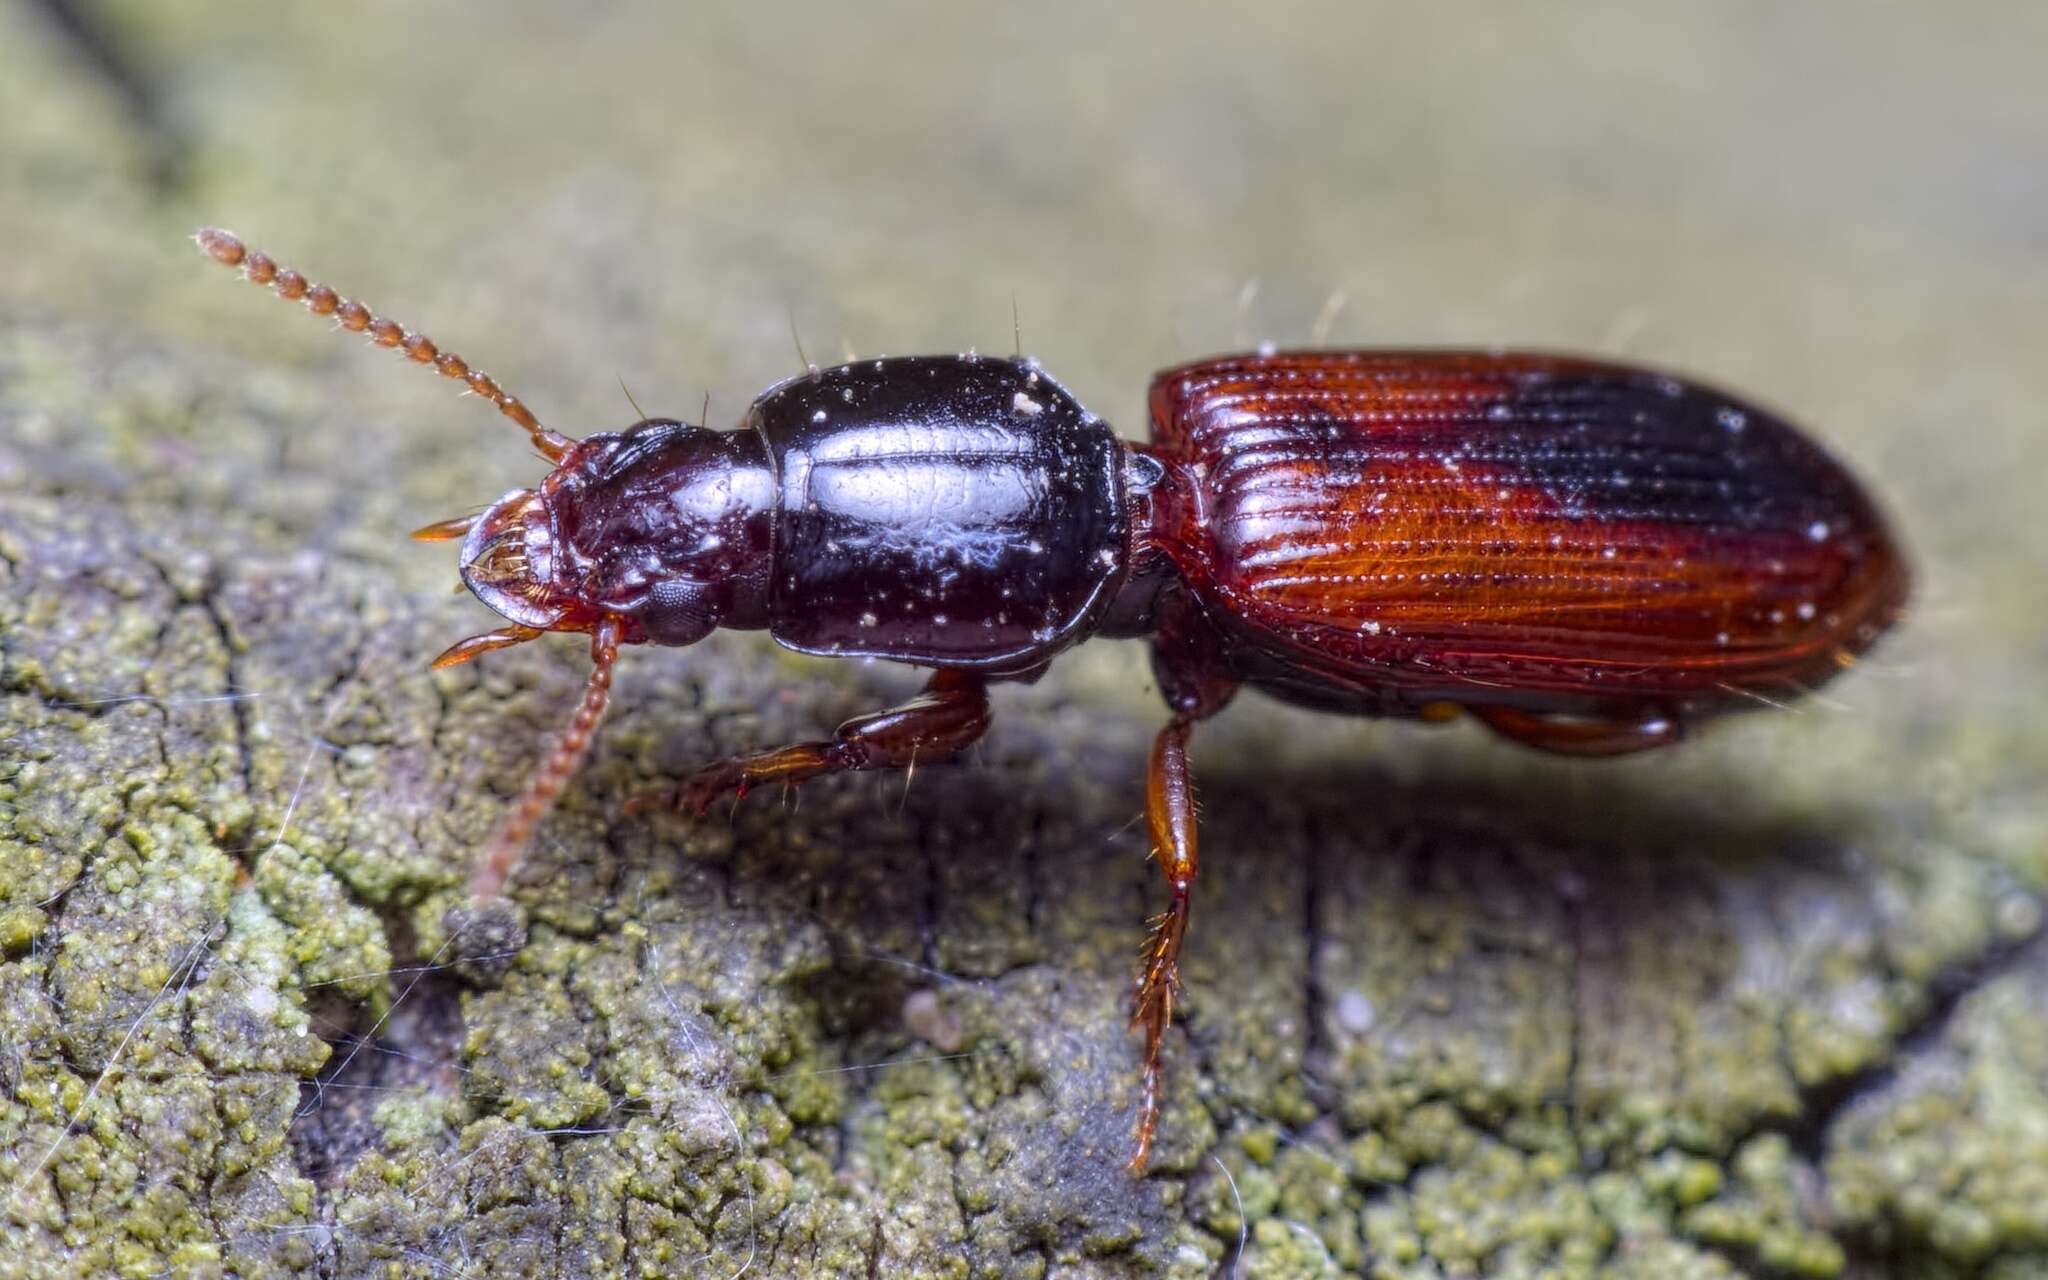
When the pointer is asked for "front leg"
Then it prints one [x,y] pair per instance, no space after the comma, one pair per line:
[942,721]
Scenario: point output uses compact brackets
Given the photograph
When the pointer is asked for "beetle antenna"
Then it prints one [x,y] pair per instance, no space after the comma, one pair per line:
[258,267]
[501,856]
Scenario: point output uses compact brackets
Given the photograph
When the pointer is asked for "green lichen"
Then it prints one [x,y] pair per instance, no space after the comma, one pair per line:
[1951,1158]
[335,942]
[1761,1215]
[249,1011]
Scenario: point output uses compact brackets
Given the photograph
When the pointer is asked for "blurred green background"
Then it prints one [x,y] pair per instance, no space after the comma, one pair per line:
[1840,209]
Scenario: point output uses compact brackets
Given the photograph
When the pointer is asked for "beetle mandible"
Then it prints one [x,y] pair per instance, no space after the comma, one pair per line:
[1586,557]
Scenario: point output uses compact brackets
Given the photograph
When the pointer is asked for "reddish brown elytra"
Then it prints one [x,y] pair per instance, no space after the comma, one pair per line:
[1586,557]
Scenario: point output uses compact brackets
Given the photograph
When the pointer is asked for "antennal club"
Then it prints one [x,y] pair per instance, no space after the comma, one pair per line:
[258,267]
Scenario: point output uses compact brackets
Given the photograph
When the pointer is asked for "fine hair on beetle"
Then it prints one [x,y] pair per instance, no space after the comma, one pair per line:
[1584,557]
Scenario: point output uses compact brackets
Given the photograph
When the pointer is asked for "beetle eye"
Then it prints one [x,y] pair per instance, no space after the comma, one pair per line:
[677,612]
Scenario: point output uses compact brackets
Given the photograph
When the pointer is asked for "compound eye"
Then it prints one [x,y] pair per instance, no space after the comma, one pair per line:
[678,611]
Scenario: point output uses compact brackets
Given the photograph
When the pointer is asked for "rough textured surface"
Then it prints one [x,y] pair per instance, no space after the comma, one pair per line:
[1771,1004]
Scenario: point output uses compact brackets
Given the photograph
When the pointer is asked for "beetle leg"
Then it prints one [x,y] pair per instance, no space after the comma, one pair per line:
[1188,658]
[1572,736]
[1170,814]
[945,719]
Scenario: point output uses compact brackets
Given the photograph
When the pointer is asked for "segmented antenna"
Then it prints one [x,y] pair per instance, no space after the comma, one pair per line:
[258,267]
[501,856]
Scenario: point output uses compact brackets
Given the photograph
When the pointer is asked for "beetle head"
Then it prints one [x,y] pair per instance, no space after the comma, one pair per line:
[664,526]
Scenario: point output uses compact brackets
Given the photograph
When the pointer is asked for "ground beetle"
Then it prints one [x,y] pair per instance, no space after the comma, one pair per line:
[1585,557]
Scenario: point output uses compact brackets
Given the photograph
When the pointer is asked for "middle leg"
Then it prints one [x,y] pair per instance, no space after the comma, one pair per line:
[1188,659]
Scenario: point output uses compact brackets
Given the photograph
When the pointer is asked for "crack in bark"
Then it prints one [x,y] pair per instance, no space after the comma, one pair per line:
[875,1249]
[224,631]
[1823,1102]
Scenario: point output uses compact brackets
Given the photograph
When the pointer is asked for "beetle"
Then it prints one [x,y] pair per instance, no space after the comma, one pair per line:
[1585,557]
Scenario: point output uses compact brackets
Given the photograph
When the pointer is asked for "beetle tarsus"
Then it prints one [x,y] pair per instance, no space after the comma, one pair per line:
[696,793]
[1158,988]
